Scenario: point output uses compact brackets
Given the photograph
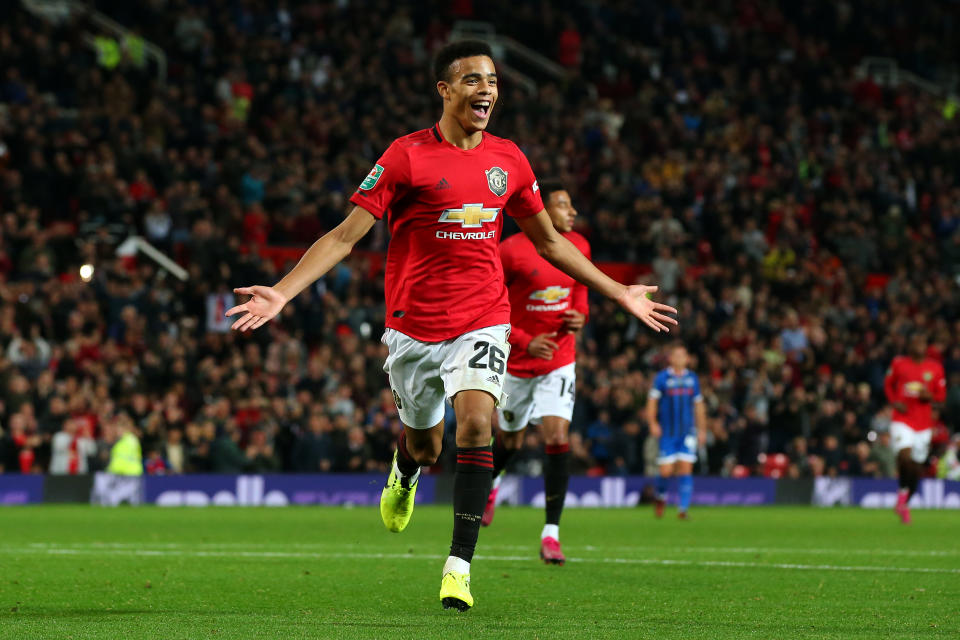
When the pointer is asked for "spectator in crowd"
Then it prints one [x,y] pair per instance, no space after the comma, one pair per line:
[70,448]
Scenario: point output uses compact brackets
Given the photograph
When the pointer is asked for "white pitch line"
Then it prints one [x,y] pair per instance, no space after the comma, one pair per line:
[508,547]
[790,550]
[524,558]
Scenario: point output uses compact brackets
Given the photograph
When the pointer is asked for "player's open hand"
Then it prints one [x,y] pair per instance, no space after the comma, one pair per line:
[651,313]
[542,346]
[263,305]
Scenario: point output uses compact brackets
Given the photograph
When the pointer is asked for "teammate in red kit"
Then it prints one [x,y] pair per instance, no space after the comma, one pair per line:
[912,385]
[444,191]
[548,308]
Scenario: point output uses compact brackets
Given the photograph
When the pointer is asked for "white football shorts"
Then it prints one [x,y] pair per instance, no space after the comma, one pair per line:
[918,442]
[424,375]
[528,400]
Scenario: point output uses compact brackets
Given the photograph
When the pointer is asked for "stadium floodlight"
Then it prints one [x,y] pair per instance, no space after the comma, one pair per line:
[86,272]
[136,244]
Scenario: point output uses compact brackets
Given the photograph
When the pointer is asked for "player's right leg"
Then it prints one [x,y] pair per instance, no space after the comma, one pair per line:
[414,370]
[665,462]
[505,446]
[513,414]
[415,448]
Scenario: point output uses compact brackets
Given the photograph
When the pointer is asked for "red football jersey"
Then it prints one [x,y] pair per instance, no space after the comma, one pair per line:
[444,208]
[539,294]
[904,382]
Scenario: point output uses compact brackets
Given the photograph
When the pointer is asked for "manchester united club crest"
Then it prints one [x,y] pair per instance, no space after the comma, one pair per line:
[497,180]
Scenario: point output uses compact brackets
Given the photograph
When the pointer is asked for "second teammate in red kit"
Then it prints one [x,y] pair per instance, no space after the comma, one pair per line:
[444,191]
[912,385]
[548,308]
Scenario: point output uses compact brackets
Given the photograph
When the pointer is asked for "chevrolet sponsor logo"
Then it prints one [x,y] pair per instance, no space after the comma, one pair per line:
[550,294]
[470,216]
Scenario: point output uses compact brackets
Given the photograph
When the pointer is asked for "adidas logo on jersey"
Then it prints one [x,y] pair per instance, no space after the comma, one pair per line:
[443,184]
[495,379]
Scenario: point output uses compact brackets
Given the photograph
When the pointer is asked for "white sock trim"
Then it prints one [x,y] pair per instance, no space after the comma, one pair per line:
[399,474]
[551,531]
[455,564]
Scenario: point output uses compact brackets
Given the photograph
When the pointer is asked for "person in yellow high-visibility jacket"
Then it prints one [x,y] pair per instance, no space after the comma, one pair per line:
[125,456]
[108,51]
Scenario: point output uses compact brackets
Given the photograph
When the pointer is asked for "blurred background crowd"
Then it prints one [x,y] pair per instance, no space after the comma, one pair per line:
[804,219]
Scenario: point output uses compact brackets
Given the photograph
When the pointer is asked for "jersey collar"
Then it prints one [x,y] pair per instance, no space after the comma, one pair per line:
[438,135]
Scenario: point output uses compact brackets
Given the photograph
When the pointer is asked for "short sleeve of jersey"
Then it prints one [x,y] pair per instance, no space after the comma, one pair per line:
[584,246]
[387,181]
[526,200]
[697,394]
[658,384]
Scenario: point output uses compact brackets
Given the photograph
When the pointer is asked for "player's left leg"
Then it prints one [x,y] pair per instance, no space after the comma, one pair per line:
[684,472]
[553,400]
[472,373]
[556,479]
[686,456]
[471,486]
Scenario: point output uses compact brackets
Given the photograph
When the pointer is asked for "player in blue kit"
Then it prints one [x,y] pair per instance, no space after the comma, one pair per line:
[677,416]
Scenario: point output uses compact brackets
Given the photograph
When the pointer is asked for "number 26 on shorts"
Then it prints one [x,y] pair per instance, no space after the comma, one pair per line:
[496,358]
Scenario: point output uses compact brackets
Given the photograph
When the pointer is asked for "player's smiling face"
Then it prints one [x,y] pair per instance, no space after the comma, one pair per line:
[470,92]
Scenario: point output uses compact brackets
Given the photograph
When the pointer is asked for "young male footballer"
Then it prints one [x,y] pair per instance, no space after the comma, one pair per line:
[444,191]
[547,309]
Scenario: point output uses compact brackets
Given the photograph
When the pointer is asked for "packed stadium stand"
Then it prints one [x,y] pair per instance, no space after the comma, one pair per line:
[798,203]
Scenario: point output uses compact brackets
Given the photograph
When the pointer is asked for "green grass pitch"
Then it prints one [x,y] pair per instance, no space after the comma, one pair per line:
[301,572]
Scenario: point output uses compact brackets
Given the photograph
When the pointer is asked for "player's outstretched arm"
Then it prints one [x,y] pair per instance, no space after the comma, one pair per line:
[562,254]
[266,302]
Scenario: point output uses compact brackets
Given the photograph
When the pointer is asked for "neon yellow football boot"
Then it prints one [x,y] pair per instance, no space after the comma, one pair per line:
[396,501]
[455,591]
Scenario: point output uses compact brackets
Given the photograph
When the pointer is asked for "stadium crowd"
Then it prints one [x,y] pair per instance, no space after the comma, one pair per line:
[802,218]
